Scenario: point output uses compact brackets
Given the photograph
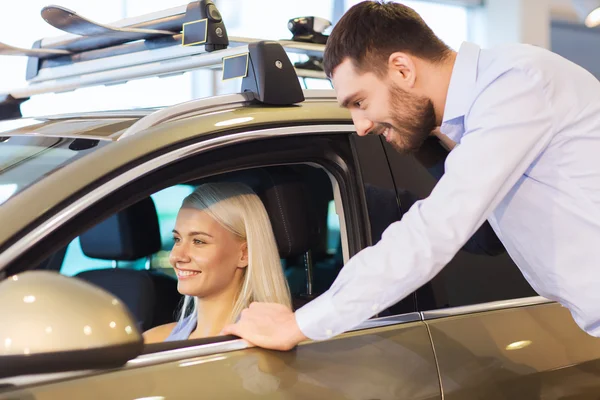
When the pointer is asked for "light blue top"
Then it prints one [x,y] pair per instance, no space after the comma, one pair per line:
[183,329]
[527,124]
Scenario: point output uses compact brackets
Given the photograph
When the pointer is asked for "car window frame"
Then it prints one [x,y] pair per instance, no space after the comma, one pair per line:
[376,173]
[137,169]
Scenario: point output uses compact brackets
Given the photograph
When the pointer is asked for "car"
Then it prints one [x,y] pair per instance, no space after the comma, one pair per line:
[88,202]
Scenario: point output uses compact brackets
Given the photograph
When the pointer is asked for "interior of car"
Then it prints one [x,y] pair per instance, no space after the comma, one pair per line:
[127,253]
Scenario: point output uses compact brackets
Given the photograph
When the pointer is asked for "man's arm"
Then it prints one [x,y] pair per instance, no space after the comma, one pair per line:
[507,128]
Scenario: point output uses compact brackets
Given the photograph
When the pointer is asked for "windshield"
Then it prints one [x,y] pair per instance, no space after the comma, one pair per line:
[32,149]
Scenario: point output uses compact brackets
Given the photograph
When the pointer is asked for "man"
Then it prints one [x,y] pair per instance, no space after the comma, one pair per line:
[526,124]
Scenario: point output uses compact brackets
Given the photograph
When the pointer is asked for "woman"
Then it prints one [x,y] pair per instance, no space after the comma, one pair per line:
[225,257]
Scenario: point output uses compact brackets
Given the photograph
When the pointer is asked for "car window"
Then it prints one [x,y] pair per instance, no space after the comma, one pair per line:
[324,239]
[333,229]
[482,271]
[167,203]
[76,261]
[139,234]
[25,159]
[31,148]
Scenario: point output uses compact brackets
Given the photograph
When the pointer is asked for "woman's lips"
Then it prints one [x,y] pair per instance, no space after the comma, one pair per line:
[186,273]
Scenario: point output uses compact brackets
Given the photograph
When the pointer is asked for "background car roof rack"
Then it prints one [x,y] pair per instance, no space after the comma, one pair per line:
[10,108]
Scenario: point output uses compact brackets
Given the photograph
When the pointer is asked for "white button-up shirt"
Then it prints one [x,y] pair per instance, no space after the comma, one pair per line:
[527,124]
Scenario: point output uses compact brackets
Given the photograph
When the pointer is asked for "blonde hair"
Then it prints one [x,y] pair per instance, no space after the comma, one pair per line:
[238,209]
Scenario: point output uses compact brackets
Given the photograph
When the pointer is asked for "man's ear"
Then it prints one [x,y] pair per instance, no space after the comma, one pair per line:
[402,69]
[243,261]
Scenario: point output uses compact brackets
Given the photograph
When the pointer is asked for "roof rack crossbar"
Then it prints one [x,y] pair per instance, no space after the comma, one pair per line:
[159,62]
[149,53]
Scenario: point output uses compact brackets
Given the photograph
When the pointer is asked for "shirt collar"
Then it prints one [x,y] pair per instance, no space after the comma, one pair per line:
[462,81]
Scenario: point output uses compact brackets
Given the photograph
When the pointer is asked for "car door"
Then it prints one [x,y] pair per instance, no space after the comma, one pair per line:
[388,357]
[494,338]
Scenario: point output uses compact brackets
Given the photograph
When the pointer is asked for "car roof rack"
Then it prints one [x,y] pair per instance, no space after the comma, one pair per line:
[163,43]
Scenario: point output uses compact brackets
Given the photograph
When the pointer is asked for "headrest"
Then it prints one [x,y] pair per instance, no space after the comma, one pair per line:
[285,197]
[134,288]
[126,236]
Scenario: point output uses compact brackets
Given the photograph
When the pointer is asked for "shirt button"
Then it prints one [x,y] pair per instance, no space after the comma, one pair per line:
[375,307]
[329,332]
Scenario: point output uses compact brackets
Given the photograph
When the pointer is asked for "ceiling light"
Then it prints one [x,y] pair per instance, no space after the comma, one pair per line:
[588,11]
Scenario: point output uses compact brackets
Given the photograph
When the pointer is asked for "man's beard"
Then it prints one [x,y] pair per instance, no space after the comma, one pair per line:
[408,133]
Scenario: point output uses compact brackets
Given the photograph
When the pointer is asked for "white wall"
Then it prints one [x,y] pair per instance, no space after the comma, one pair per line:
[511,21]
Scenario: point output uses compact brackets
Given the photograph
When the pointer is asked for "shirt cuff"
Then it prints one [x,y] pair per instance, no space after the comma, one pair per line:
[315,319]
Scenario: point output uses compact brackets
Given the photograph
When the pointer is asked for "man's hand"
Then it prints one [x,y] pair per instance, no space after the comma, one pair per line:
[268,325]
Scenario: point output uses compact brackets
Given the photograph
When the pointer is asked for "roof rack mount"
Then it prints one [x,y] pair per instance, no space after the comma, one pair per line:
[270,75]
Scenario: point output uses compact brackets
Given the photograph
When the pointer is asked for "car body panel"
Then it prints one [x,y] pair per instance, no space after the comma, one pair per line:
[74,177]
[531,352]
[393,362]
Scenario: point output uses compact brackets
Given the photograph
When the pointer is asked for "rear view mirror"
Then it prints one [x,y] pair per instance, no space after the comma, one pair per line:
[53,323]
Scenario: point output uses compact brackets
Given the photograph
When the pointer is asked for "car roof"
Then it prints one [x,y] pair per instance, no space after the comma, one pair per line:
[113,124]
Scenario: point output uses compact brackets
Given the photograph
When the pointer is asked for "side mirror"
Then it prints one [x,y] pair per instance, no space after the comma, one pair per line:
[53,323]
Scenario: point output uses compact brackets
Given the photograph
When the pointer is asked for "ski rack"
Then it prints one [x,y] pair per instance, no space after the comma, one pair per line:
[110,59]
[197,23]
[171,54]
[161,62]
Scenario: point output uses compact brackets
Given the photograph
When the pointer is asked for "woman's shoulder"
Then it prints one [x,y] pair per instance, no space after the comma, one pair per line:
[159,333]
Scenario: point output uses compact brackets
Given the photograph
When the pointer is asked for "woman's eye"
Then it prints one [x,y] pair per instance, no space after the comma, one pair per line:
[198,241]
[358,104]
[176,240]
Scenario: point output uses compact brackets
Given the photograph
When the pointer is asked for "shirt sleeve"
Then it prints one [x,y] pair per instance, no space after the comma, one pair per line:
[507,127]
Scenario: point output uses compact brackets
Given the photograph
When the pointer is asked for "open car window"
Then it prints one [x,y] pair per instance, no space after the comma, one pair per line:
[167,203]
[127,254]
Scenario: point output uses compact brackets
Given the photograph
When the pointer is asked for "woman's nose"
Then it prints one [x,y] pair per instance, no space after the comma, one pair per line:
[179,254]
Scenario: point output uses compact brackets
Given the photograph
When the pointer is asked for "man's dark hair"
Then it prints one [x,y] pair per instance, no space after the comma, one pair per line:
[372,30]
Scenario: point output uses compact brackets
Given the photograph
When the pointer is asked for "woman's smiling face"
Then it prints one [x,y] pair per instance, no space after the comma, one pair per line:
[207,257]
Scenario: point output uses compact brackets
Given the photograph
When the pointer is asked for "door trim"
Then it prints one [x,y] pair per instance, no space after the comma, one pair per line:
[223,347]
[483,307]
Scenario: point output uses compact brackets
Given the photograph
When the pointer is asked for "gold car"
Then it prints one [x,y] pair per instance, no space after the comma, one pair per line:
[87,203]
